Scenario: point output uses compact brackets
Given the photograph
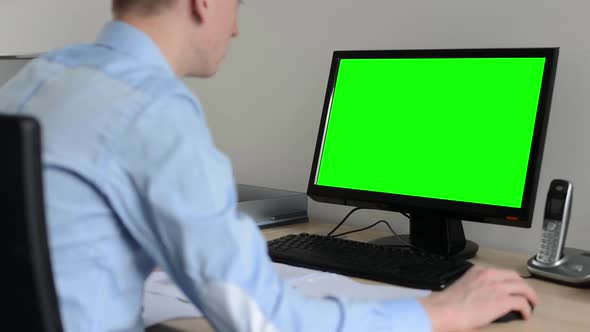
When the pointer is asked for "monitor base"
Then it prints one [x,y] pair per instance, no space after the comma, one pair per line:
[469,251]
[440,235]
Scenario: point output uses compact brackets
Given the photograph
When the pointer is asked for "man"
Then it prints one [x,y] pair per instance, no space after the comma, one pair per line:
[133,181]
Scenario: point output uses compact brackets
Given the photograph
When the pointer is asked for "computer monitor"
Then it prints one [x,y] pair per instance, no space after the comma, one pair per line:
[444,135]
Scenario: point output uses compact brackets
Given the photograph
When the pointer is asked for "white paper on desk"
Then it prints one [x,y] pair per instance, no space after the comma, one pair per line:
[163,300]
[290,272]
[158,308]
[329,284]
[319,284]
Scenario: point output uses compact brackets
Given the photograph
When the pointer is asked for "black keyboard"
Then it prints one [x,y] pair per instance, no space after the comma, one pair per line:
[402,266]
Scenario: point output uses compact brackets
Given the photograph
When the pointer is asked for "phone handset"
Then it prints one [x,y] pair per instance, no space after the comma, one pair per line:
[555,221]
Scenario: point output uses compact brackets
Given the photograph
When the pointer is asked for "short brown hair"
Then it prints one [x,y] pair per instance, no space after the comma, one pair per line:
[146,7]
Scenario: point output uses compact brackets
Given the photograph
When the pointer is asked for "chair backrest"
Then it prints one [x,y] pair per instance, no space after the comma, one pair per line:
[29,291]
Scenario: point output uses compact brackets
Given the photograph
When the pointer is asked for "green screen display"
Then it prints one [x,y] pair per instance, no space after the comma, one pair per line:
[444,128]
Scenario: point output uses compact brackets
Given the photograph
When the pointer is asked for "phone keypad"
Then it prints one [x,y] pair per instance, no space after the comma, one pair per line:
[550,226]
[549,242]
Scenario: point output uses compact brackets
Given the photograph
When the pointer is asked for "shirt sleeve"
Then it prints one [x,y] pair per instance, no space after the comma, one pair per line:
[184,215]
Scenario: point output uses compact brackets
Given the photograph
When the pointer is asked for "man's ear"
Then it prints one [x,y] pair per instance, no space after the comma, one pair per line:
[199,8]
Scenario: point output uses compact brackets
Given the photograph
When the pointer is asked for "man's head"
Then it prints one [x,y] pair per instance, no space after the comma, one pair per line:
[147,7]
[192,34]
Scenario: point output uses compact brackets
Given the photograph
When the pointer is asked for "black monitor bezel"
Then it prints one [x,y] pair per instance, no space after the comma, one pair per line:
[517,217]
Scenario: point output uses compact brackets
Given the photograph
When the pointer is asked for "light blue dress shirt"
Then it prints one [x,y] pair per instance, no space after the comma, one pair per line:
[133,181]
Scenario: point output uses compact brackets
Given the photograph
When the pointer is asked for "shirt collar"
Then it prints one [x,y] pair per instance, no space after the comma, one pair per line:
[127,39]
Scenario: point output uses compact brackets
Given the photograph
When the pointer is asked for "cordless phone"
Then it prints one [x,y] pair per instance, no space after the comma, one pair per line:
[555,221]
[555,262]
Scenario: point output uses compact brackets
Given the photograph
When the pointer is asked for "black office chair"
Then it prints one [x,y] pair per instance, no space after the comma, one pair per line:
[29,291]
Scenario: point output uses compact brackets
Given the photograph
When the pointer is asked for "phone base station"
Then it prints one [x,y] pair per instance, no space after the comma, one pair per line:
[573,269]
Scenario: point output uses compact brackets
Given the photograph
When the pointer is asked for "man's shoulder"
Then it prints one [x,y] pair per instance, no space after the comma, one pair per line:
[152,81]
[118,93]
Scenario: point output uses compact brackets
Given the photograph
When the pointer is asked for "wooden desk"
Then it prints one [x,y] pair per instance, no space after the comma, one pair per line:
[562,308]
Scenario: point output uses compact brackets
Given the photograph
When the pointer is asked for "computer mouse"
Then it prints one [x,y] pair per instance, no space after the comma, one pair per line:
[511,315]
[508,317]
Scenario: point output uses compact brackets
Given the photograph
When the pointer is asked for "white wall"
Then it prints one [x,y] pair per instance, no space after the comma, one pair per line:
[32,26]
[265,104]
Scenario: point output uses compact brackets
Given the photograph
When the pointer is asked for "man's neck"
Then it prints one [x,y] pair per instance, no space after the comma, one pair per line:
[167,37]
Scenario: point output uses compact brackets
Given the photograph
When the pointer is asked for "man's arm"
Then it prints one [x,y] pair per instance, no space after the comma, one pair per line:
[185,216]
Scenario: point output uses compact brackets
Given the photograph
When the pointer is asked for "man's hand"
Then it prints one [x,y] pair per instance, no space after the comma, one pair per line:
[479,297]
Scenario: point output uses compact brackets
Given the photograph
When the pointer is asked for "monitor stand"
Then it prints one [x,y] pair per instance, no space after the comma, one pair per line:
[435,234]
